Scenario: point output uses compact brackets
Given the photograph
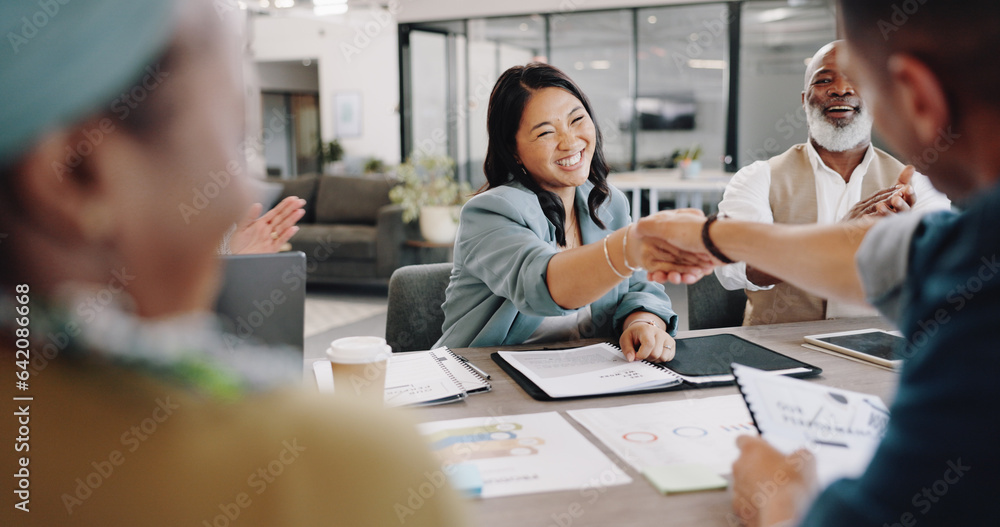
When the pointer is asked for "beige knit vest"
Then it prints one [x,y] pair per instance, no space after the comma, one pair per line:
[793,200]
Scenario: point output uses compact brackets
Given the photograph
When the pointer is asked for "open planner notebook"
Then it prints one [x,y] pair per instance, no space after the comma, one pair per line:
[415,378]
[601,369]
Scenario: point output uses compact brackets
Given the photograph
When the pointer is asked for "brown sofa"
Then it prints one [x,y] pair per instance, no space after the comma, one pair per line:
[350,232]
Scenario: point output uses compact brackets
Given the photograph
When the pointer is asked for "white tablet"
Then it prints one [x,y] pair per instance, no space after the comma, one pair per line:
[873,345]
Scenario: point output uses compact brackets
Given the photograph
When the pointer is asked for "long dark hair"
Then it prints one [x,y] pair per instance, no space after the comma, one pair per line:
[503,118]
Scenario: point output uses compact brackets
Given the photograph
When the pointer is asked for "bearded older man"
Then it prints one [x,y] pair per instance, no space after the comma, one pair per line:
[820,181]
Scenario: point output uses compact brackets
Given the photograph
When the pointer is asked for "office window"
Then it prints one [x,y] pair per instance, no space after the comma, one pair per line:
[495,44]
[430,92]
[777,39]
[681,96]
[595,50]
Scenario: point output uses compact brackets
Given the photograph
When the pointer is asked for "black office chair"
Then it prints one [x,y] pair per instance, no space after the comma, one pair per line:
[414,317]
[712,306]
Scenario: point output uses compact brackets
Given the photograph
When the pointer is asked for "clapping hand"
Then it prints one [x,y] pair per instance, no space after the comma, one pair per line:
[268,233]
[897,198]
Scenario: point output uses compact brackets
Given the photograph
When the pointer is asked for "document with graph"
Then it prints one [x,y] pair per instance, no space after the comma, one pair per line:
[520,454]
[701,431]
[842,428]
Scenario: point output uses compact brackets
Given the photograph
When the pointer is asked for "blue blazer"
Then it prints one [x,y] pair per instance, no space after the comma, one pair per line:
[498,293]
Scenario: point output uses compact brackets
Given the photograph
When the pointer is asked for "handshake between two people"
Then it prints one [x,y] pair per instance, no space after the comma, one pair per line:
[677,247]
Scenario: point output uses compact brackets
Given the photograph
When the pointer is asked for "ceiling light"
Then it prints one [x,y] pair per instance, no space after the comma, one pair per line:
[705,64]
[329,2]
[774,15]
[265,3]
[651,19]
[578,66]
[523,26]
[284,3]
[600,64]
[330,9]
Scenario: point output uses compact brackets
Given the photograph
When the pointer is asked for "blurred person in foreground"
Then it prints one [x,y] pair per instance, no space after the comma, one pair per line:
[138,414]
[929,74]
[836,175]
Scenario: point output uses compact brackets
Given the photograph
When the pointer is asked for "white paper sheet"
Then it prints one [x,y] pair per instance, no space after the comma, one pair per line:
[840,427]
[700,431]
[523,454]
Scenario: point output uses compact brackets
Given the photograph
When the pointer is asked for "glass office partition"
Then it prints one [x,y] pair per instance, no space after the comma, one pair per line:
[495,44]
[595,49]
[429,92]
[681,97]
[661,79]
[777,40]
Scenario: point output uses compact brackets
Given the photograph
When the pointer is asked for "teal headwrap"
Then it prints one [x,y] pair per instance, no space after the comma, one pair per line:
[62,60]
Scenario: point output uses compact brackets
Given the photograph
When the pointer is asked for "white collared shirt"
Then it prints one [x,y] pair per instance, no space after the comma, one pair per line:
[747,198]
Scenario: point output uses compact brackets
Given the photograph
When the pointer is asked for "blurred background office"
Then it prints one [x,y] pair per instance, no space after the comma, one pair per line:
[354,88]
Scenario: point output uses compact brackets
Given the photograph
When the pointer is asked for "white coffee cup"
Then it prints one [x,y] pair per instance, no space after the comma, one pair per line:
[359,365]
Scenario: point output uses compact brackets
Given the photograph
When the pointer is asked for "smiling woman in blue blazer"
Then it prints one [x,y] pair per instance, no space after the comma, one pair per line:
[546,252]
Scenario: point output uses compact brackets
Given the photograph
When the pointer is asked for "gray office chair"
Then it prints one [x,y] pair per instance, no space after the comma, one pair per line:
[414,317]
[712,306]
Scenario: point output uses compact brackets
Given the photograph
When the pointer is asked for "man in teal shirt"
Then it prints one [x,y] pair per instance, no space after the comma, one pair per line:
[930,68]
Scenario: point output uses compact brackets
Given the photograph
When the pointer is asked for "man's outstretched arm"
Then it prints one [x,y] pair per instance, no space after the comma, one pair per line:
[817,258]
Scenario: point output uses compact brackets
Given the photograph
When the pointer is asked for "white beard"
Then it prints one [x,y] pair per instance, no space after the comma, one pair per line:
[838,138]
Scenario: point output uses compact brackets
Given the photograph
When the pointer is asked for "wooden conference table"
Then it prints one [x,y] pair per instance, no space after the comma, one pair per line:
[638,503]
[689,192]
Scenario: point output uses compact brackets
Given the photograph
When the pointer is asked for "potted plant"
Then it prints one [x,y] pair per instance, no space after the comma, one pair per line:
[428,191]
[333,155]
[373,165]
[689,162]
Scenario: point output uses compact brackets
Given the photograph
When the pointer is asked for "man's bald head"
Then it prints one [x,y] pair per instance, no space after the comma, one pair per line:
[826,54]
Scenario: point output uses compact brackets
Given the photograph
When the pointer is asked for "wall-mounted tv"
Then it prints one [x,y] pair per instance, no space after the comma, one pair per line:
[660,112]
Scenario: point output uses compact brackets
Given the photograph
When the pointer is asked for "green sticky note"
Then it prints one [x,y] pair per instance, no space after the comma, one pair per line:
[685,477]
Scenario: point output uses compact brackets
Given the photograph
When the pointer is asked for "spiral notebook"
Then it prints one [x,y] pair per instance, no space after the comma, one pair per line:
[842,428]
[601,369]
[419,378]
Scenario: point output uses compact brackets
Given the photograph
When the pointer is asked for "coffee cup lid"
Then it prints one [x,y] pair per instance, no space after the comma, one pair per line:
[358,350]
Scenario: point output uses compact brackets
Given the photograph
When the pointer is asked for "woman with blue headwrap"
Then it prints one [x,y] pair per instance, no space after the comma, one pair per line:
[130,412]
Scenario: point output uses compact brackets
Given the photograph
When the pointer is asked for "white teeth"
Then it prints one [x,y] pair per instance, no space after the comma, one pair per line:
[570,161]
[839,108]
